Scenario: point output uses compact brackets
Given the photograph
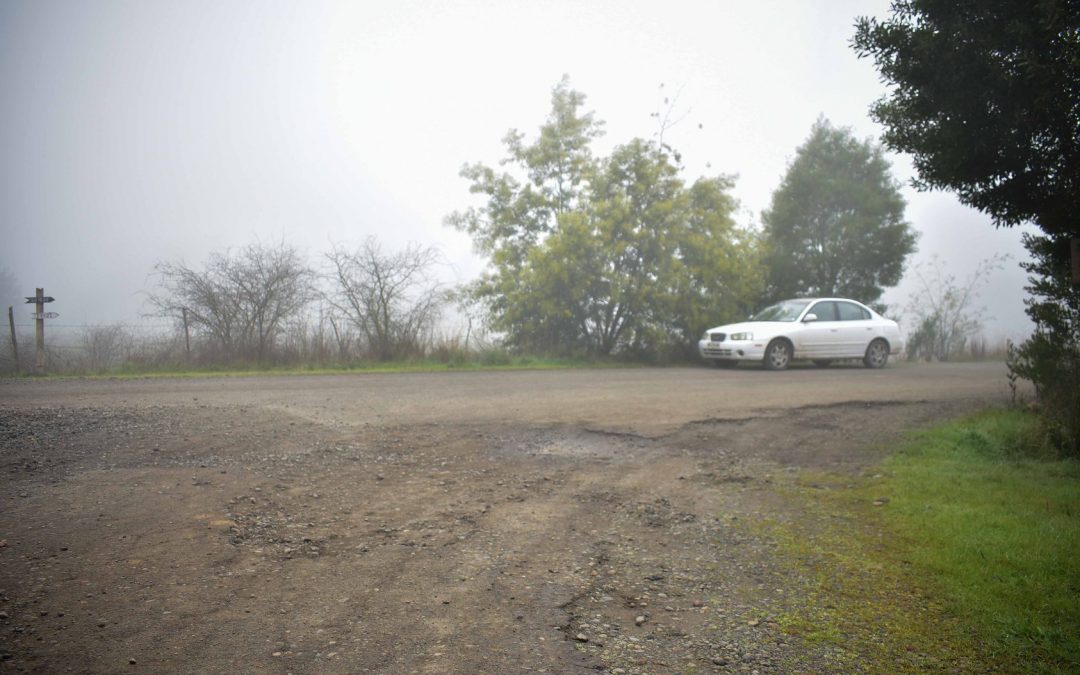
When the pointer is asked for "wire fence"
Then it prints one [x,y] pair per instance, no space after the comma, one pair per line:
[85,348]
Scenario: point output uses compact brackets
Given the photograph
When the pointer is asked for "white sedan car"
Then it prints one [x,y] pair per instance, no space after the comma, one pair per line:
[819,329]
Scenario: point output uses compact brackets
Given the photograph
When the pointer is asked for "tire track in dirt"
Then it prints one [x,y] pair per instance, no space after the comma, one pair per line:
[224,534]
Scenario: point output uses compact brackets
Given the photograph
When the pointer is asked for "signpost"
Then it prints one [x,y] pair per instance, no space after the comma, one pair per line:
[40,315]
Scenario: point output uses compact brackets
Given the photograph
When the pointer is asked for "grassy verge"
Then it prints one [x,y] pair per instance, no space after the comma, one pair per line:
[961,553]
[483,363]
[999,533]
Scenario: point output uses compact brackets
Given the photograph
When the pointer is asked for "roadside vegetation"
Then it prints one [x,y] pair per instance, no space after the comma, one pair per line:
[493,360]
[487,359]
[959,552]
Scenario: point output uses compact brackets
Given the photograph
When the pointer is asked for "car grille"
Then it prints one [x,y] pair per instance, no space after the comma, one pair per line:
[713,353]
[717,337]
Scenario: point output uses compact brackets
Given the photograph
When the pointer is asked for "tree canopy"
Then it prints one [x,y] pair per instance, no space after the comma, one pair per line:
[601,254]
[985,96]
[836,223]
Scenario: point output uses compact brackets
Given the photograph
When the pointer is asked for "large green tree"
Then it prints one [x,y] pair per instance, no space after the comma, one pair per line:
[602,254]
[985,96]
[836,223]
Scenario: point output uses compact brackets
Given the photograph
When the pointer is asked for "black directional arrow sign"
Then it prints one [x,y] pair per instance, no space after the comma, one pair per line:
[32,300]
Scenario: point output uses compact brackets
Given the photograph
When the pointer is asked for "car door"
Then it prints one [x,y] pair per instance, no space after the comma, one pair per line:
[820,338]
[855,329]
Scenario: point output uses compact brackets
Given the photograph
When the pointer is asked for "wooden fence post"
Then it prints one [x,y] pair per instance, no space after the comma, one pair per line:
[14,340]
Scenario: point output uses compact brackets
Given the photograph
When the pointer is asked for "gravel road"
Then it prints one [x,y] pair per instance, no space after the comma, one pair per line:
[494,522]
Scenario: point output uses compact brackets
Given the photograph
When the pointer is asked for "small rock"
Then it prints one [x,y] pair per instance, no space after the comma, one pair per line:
[639,620]
[717,661]
[752,622]
[581,637]
[131,661]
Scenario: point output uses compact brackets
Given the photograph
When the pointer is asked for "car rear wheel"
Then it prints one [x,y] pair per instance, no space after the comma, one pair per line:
[777,355]
[877,354]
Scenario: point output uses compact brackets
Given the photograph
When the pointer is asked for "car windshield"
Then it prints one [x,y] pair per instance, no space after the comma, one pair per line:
[789,310]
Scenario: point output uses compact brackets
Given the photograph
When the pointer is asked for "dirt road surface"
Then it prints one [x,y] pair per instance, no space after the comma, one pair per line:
[494,522]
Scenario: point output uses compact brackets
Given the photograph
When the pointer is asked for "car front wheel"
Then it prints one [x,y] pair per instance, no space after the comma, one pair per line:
[876,354]
[777,355]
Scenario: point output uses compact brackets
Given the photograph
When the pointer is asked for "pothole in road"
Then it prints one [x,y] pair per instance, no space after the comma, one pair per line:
[575,444]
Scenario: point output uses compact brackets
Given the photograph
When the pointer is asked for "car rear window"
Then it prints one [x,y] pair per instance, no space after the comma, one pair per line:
[851,312]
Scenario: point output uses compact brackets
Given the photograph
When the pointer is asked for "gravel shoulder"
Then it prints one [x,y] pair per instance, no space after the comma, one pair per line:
[464,522]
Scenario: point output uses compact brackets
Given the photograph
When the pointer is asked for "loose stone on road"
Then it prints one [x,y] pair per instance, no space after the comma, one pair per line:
[564,521]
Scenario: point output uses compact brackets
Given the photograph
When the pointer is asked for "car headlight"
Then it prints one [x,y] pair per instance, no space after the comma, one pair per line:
[742,336]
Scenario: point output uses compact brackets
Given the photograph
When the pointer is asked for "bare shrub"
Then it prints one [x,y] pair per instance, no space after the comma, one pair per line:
[945,309]
[392,300]
[103,348]
[240,300]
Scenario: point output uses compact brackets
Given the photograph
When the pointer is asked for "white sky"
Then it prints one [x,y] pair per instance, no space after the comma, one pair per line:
[137,131]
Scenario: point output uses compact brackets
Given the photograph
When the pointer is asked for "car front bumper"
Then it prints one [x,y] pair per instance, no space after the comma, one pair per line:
[730,350]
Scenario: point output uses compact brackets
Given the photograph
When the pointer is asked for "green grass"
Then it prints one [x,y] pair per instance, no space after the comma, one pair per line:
[961,553]
[999,533]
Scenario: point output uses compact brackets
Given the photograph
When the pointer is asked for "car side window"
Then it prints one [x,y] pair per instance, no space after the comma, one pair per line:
[825,310]
[849,312]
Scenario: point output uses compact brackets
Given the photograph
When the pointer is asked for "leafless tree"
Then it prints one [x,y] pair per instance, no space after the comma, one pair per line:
[241,300]
[392,299]
[945,310]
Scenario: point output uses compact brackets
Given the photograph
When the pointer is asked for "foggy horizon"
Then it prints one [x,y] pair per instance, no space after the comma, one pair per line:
[149,132]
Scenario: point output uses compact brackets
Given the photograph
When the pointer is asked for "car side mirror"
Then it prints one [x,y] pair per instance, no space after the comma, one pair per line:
[809,317]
